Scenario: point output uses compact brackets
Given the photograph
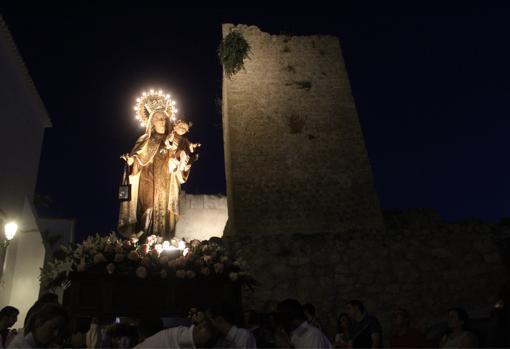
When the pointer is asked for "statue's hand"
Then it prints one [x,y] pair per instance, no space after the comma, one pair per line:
[128,158]
[193,146]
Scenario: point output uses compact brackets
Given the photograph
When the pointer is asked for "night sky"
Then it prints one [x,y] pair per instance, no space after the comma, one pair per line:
[432,93]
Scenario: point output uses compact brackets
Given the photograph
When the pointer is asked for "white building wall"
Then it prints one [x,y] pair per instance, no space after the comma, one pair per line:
[23,119]
[25,256]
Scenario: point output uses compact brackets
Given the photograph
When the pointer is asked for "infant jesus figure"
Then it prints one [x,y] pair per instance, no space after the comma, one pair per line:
[182,150]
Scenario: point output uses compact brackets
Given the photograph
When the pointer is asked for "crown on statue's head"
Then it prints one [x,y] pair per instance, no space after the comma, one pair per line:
[150,102]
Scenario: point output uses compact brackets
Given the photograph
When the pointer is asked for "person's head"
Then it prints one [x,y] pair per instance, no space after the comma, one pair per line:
[457,318]
[270,306]
[159,121]
[181,127]
[204,335]
[309,310]
[222,314]
[8,316]
[342,322]
[123,336]
[290,314]
[401,319]
[355,309]
[47,324]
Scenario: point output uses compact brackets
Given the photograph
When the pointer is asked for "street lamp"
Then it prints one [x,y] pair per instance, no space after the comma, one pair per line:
[10,230]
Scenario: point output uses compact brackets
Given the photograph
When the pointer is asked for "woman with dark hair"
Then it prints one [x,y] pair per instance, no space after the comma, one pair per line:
[45,298]
[8,317]
[458,336]
[44,329]
[342,334]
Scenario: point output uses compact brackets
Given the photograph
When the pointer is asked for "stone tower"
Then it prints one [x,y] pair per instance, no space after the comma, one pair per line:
[294,152]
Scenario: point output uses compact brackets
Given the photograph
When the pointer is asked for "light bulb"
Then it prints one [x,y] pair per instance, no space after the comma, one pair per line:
[135,108]
[160,92]
[137,117]
[152,92]
[176,111]
[138,100]
[174,102]
[10,230]
[144,93]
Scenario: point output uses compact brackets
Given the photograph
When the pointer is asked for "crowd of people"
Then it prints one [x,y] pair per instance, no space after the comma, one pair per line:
[285,324]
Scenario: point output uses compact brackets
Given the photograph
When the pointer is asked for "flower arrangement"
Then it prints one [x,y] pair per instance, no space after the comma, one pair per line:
[151,258]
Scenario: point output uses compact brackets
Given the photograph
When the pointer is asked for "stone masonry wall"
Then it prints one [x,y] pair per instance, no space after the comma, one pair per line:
[201,216]
[295,156]
[426,270]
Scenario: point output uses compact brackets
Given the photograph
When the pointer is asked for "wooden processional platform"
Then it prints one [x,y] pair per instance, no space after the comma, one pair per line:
[106,297]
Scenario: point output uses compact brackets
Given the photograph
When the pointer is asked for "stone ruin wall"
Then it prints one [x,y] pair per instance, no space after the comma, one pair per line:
[294,150]
[425,269]
[201,216]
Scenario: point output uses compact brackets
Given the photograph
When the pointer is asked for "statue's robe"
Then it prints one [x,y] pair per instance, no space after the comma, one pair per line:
[154,204]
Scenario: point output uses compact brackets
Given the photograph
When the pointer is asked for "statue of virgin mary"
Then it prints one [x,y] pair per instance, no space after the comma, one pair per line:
[158,164]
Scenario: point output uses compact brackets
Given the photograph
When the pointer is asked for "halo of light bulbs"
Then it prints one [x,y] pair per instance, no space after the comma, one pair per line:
[139,107]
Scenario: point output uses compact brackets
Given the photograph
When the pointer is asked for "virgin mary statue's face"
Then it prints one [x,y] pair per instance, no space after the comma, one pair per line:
[158,121]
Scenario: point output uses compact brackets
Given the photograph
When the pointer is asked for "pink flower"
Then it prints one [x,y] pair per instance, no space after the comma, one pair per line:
[126,244]
[119,257]
[99,258]
[163,259]
[152,239]
[218,268]
[134,256]
[190,274]
[141,272]
[181,274]
[146,261]
[163,273]
[205,271]
[134,240]
[144,249]
[154,253]
[110,268]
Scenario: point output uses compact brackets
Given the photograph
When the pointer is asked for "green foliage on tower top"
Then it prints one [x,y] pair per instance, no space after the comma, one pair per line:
[233,50]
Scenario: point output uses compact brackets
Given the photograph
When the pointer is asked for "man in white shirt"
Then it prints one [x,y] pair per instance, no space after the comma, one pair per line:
[199,335]
[292,318]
